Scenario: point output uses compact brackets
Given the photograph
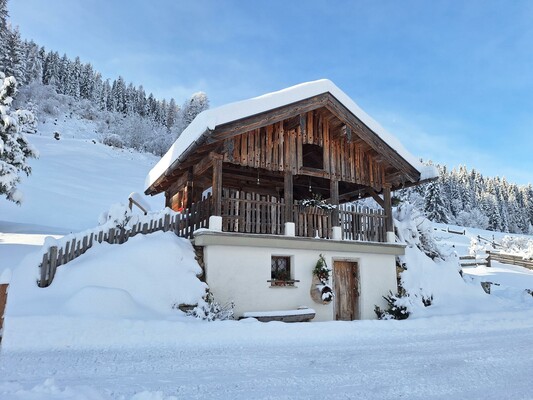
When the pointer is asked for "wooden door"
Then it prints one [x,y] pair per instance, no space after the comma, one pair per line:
[346,288]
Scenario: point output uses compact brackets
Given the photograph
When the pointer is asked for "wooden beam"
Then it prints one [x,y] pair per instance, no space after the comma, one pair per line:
[334,198]
[189,189]
[202,166]
[318,173]
[217,185]
[288,194]
[371,138]
[354,195]
[389,223]
[376,197]
[270,117]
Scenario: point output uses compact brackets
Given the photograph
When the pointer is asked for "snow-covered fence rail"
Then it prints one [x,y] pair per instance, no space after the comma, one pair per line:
[511,259]
[492,242]
[473,261]
[182,224]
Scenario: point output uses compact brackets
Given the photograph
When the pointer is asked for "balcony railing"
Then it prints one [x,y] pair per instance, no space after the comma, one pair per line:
[254,213]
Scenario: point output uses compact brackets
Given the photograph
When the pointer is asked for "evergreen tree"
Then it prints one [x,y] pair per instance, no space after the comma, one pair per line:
[4,32]
[194,106]
[434,207]
[34,66]
[14,146]
[86,82]
[14,65]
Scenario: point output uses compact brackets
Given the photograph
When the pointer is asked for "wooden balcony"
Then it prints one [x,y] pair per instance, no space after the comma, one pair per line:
[253,213]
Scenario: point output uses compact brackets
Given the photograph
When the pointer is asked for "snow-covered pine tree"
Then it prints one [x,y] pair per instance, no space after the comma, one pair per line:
[34,66]
[4,32]
[14,146]
[194,106]
[434,207]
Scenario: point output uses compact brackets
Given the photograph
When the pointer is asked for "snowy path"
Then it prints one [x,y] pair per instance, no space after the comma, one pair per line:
[463,357]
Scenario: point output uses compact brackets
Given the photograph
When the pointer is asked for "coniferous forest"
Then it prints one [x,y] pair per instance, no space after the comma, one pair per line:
[467,198]
[50,84]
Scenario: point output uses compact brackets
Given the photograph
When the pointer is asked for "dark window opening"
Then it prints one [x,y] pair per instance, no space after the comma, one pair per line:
[313,156]
[281,271]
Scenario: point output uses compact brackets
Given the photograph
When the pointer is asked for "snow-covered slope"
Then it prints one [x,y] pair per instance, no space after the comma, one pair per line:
[75,179]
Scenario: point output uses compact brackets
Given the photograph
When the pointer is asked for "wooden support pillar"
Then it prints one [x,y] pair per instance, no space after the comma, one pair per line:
[217,185]
[288,195]
[189,189]
[334,198]
[387,206]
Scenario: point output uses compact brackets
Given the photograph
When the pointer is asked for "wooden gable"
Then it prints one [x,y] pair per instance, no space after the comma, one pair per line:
[279,140]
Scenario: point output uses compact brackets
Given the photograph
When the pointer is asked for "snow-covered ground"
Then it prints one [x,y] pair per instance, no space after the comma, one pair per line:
[483,356]
[106,333]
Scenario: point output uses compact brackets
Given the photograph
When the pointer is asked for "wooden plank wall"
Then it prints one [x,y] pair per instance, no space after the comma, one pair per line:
[276,149]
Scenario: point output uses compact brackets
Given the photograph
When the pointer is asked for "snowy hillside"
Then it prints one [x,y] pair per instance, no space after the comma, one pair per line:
[73,181]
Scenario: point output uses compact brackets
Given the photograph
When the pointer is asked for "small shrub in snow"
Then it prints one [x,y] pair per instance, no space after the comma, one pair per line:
[210,310]
[113,140]
[427,301]
[118,216]
[394,310]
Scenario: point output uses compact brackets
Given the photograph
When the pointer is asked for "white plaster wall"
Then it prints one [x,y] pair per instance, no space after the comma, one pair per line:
[240,274]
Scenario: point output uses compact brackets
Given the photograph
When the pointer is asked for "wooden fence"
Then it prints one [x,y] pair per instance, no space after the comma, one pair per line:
[362,223]
[183,224]
[252,213]
[510,259]
[473,261]
[241,212]
[312,221]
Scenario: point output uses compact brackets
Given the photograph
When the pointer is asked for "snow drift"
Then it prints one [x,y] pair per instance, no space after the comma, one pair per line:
[140,279]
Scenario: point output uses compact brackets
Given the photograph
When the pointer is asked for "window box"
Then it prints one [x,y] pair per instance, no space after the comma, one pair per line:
[282,283]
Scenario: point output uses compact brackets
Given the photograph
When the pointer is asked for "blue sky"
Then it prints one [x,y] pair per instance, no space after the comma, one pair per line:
[452,80]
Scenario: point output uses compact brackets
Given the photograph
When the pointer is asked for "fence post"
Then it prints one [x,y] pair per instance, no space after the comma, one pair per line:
[3,300]
[44,270]
[53,264]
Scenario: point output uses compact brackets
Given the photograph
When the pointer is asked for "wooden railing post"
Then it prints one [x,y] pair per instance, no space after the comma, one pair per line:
[387,207]
[217,184]
[288,194]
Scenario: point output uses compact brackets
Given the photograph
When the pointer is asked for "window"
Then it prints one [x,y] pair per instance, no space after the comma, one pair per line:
[281,271]
[313,156]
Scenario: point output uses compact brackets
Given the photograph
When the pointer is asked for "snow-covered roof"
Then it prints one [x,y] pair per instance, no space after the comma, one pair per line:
[210,119]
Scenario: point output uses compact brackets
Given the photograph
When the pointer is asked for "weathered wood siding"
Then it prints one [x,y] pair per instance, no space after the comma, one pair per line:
[278,149]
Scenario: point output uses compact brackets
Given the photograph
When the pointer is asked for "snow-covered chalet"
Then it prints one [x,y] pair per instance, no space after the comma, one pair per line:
[275,181]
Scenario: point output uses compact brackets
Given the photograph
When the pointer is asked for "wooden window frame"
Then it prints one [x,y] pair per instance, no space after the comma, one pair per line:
[276,281]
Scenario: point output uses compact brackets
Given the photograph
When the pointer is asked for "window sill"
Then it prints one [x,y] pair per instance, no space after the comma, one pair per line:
[274,283]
